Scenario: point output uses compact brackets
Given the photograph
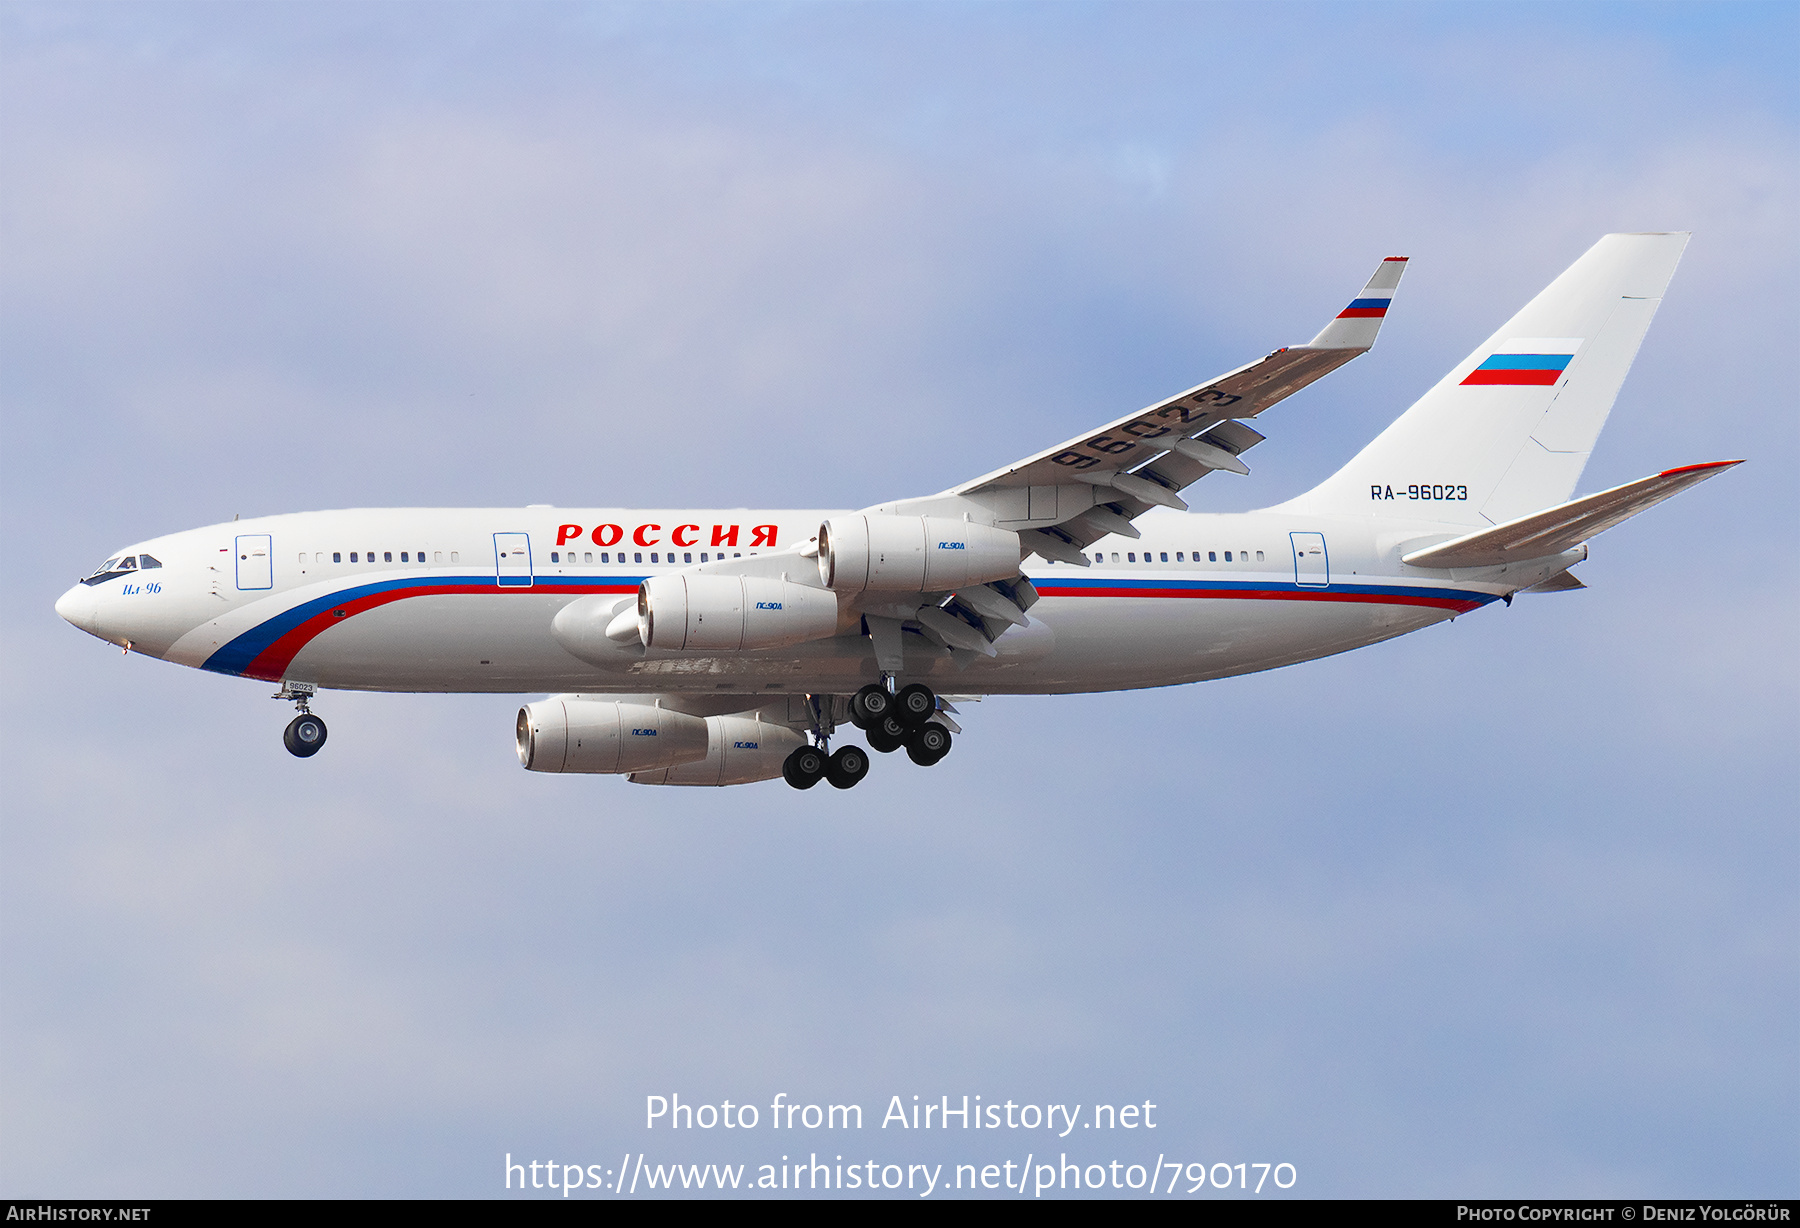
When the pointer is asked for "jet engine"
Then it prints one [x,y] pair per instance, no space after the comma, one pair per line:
[697,613]
[913,554]
[567,733]
[740,749]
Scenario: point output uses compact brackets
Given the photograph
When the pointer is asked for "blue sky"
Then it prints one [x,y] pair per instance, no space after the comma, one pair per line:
[1503,908]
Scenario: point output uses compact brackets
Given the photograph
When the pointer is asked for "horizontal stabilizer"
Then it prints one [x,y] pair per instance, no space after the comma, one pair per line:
[1559,528]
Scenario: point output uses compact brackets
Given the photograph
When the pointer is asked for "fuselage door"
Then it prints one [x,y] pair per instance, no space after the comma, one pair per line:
[255,563]
[512,560]
[1312,567]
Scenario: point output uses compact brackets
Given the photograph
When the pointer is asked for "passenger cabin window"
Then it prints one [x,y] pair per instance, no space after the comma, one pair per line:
[403,556]
[387,556]
[554,558]
[1165,556]
[636,558]
[1228,556]
[353,556]
[1115,555]
[337,557]
[1259,557]
[1212,556]
[687,558]
[587,556]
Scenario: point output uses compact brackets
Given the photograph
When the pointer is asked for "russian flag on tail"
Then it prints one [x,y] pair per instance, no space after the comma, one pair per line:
[1543,369]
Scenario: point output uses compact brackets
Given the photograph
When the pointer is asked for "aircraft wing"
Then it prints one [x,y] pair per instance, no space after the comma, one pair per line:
[1143,459]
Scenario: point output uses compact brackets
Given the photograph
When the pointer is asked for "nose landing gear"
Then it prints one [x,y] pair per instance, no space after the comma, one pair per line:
[305,734]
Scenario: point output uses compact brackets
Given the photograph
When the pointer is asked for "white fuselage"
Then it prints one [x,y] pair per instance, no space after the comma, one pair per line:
[428,599]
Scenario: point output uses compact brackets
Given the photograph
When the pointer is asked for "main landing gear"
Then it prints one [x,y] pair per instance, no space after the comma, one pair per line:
[902,719]
[809,765]
[892,720]
[305,734]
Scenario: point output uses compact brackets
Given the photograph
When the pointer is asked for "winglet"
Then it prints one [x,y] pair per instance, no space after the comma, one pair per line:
[1357,324]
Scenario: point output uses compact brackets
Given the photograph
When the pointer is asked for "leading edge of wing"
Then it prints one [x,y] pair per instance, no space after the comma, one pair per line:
[1138,439]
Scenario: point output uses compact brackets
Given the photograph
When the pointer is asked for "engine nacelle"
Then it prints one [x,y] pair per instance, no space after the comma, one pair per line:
[740,749]
[697,613]
[913,554]
[566,733]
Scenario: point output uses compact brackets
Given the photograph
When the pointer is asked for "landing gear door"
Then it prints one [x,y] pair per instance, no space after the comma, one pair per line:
[512,560]
[1312,566]
[255,564]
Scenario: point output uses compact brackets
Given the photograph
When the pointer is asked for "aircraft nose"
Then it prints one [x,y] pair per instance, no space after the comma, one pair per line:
[77,608]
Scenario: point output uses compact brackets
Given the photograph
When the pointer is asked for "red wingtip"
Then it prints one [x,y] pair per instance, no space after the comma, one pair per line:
[1666,473]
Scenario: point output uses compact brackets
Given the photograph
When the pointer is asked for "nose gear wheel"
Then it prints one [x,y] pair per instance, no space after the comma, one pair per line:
[304,736]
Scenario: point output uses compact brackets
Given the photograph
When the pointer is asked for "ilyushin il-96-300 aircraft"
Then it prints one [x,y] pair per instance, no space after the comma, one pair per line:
[697,647]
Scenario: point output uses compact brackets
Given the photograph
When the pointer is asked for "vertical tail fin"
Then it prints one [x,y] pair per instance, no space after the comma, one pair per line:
[1509,430]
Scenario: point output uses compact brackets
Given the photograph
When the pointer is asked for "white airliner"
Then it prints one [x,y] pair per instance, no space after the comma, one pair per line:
[719,647]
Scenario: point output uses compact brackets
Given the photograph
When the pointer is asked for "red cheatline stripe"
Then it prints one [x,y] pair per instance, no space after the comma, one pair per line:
[1362,313]
[271,663]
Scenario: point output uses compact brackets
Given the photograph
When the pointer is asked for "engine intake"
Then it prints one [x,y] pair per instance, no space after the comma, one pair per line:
[913,554]
[566,733]
[697,613]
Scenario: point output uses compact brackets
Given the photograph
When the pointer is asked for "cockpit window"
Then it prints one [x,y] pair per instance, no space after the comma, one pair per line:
[147,561]
[117,566]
